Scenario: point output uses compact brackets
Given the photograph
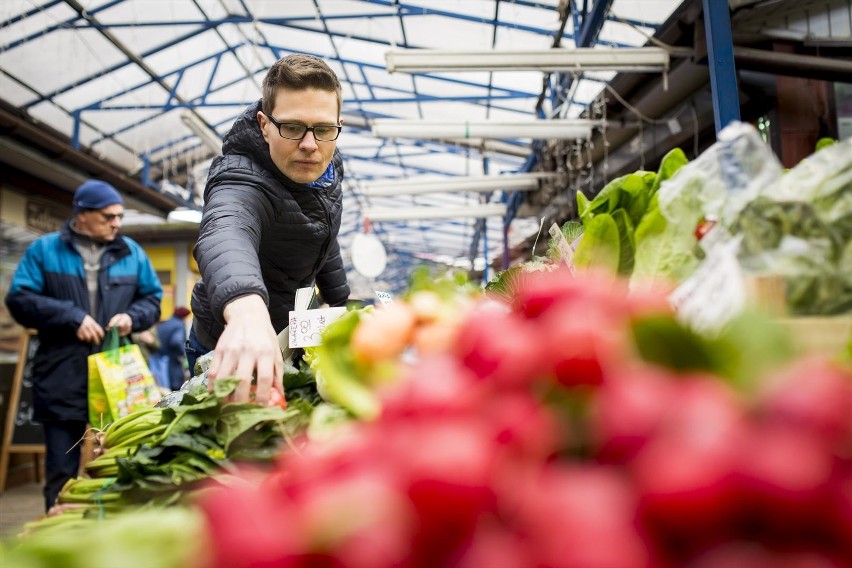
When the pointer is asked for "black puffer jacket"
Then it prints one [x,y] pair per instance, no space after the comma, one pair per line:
[262,233]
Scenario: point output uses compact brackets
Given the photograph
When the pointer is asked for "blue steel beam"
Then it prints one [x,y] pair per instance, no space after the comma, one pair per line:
[23,16]
[113,68]
[201,100]
[720,58]
[592,23]
[61,26]
[167,106]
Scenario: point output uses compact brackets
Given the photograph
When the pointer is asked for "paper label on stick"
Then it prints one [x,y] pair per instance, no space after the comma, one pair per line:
[714,294]
[306,326]
[384,297]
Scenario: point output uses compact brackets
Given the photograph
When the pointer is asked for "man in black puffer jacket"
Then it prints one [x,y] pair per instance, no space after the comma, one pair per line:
[272,209]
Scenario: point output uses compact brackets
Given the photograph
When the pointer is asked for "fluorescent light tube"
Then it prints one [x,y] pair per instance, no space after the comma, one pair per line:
[207,136]
[622,59]
[414,213]
[184,215]
[423,185]
[432,129]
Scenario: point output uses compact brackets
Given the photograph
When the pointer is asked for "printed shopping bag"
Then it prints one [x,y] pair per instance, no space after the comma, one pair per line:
[119,381]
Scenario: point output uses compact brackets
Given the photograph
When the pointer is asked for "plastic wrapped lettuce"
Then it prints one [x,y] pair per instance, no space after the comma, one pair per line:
[824,180]
[720,183]
[801,228]
[722,180]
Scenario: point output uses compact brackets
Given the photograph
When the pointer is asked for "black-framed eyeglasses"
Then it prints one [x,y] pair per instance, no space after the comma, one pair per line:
[109,217]
[296,131]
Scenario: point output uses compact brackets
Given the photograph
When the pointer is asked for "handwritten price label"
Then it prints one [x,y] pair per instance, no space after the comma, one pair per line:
[715,293]
[384,297]
[306,326]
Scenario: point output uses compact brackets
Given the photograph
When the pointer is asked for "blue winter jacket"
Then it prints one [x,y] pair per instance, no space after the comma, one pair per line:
[48,293]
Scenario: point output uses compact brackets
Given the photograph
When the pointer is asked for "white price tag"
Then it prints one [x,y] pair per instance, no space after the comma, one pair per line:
[714,294]
[306,326]
[562,245]
[384,297]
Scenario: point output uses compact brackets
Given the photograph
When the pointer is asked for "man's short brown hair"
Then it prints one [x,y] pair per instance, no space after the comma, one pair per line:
[299,71]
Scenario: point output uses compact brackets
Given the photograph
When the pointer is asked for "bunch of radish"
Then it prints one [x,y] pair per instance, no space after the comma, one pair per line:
[535,436]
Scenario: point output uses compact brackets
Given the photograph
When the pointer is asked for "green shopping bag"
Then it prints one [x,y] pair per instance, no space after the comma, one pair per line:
[119,381]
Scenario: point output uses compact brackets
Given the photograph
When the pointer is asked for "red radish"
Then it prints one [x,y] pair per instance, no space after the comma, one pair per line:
[437,386]
[576,517]
[785,474]
[239,515]
[628,410]
[750,555]
[500,347]
[523,425]
[581,346]
[685,475]
[541,291]
[813,394]
[495,547]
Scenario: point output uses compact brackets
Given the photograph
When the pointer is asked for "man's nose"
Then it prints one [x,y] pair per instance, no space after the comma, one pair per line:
[308,140]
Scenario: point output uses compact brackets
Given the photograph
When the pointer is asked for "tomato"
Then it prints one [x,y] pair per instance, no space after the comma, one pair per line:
[276,398]
[704,226]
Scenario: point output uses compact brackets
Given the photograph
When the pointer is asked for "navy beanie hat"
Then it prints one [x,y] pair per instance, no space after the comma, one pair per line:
[95,194]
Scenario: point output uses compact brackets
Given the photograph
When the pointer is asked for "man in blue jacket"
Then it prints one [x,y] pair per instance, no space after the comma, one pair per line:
[71,286]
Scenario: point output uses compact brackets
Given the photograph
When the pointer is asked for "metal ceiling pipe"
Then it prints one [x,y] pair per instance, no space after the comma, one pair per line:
[684,80]
[794,64]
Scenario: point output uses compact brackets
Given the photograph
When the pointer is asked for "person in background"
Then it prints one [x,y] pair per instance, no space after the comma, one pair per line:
[172,335]
[147,341]
[272,210]
[149,345]
[71,286]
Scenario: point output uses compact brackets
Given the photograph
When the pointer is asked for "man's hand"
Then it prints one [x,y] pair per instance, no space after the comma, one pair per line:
[90,331]
[248,345]
[123,322]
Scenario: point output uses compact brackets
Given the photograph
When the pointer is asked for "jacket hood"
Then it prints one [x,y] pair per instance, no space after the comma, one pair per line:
[246,139]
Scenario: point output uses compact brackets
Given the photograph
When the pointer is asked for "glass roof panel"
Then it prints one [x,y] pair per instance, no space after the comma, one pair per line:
[211,55]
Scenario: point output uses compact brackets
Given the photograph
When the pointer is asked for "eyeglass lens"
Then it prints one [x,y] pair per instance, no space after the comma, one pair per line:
[295,131]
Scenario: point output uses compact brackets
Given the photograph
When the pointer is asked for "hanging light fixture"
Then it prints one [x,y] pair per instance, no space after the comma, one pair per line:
[207,136]
[536,129]
[415,213]
[621,59]
[425,185]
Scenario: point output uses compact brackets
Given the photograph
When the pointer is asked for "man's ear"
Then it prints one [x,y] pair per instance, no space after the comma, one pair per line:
[262,121]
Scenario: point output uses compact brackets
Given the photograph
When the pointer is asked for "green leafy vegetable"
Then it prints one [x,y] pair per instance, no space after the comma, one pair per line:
[600,244]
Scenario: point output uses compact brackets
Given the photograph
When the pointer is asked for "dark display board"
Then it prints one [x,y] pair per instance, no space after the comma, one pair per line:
[21,434]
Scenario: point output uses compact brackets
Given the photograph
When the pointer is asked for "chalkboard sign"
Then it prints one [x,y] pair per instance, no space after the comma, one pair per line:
[21,434]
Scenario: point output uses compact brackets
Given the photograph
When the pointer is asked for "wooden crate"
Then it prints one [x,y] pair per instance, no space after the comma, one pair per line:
[829,336]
